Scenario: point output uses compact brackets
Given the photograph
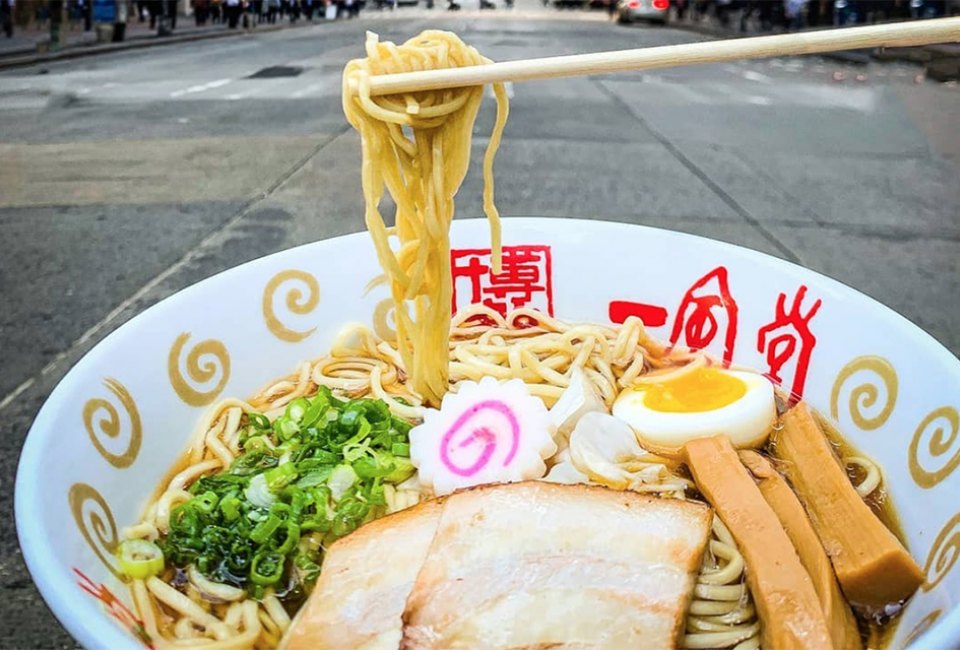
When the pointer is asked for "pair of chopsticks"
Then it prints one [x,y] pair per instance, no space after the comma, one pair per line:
[922,32]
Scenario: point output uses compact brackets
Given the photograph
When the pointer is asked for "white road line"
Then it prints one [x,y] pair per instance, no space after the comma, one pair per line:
[757,100]
[688,93]
[752,75]
[200,88]
[306,91]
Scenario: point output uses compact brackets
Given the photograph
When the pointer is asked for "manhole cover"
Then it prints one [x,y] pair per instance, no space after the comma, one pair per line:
[277,71]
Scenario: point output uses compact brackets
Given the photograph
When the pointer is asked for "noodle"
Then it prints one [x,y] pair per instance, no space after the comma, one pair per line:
[419,149]
[722,613]
[525,344]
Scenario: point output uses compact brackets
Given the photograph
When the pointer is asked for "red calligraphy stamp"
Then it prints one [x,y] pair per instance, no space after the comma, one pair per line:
[115,608]
[707,312]
[650,315]
[525,280]
[787,338]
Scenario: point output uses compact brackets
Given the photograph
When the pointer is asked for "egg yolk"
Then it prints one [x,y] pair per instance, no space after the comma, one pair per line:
[704,389]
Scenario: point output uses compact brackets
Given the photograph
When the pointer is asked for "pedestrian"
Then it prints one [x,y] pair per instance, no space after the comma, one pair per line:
[232,10]
[308,10]
[201,11]
[793,14]
[141,10]
[154,8]
[6,17]
[258,10]
[681,8]
[170,11]
[273,7]
[216,11]
[722,9]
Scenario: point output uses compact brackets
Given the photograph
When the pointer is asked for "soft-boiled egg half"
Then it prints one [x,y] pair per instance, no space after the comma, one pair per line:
[704,401]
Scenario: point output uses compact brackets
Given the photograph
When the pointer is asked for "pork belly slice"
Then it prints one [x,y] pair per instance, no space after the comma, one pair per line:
[366,578]
[540,565]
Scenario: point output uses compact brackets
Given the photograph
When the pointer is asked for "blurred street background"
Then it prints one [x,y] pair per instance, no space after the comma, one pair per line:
[128,175]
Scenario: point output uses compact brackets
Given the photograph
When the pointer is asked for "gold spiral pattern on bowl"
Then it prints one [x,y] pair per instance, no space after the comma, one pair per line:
[110,426]
[940,427]
[204,362]
[296,302]
[93,517]
[865,395]
[943,554]
[925,624]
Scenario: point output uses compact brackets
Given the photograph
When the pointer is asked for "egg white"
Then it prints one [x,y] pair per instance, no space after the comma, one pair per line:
[746,421]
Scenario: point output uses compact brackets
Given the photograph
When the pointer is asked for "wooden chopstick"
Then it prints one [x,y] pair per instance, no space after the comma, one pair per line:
[922,32]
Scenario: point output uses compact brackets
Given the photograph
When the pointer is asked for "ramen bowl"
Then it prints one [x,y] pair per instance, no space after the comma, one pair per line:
[122,416]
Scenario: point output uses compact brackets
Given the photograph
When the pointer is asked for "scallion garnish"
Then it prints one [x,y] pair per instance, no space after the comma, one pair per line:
[314,474]
[139,558]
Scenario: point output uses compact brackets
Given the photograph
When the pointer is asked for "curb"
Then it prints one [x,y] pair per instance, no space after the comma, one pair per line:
[79,51]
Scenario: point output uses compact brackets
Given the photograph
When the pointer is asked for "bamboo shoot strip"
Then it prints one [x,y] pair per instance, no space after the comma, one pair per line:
[793,518]
[873,567]
[790,614]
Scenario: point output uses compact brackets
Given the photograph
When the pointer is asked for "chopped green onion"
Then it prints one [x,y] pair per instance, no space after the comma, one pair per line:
[291,536]
[258,492]
[266,569]
[262,531]
[140,559]
[230,507]
[403,469]
[286,428]
[341,479]
[206,502]
[314,413]
[316,477]
[296,409]
[280,477]
[302,481]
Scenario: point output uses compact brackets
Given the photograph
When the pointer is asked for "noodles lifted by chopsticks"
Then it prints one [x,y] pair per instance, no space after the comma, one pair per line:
[418,147]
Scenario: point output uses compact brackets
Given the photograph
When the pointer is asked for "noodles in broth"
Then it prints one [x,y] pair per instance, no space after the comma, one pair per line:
[418,146]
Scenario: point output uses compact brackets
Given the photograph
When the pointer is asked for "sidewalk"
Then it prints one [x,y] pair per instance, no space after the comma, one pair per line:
[941,62]
[30,46]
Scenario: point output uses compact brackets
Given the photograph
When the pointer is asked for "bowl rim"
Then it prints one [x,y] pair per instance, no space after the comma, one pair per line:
[85,620]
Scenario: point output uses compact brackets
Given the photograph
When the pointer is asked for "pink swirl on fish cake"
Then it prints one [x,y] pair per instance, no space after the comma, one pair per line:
[482,434]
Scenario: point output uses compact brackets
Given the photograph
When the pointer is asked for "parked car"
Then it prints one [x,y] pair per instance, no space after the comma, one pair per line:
[655,11]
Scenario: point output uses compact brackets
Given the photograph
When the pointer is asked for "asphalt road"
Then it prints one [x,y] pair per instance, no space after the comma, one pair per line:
[126,177]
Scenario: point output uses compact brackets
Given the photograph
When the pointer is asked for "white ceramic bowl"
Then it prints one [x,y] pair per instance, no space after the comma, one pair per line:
[891,388]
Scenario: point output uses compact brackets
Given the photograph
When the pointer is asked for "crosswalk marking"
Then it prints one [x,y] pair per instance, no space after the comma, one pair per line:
[200,88]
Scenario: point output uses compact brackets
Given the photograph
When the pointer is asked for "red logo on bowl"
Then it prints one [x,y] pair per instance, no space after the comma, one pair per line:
[707,312]
[115,608]
[788,338]
[526,279]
